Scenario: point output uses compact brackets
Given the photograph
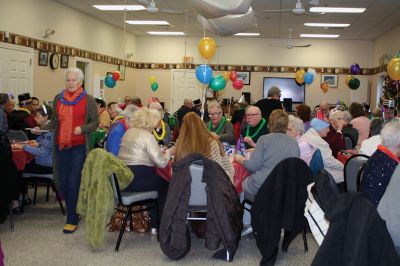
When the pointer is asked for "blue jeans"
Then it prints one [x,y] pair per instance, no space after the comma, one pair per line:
[69,167]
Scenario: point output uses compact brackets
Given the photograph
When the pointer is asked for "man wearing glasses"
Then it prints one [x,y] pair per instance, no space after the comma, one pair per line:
[271,103]
[256,127]
[218,125]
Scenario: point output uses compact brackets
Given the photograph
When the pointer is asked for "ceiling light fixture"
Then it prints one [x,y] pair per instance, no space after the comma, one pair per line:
[120,7]
[247,34]
[306,35]
[337,10]
[327,25]
[171,33]
[148,22]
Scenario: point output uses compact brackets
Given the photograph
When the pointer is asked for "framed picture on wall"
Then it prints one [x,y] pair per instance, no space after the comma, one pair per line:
[245,76]
[64,61]
[121,69]
[43,58]
[330,79]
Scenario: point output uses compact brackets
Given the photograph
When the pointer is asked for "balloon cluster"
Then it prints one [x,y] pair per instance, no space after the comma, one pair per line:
[351,81]
[153,83]
[305,77]
[111,79]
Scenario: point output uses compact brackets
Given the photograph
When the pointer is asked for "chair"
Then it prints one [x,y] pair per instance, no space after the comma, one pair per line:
[348,143]
[352,171]
[47,179]
[130,199]
[316,163]
[18,135]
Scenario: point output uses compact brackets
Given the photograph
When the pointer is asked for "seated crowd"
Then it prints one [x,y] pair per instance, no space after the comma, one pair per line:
[145,140]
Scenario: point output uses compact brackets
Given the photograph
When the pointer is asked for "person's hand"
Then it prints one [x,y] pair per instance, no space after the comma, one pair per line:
[239,158]
[33,143]
[250,150]
[172,151]
[17,146]
[77,131]
[249,141]
[340,125]
[215,134]
[35,131]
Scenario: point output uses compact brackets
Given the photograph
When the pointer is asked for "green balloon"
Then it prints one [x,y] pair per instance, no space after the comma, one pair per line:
[354,83]
[154,86]
[217,83]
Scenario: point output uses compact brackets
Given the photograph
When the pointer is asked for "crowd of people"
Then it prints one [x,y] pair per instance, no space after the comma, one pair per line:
[144,139]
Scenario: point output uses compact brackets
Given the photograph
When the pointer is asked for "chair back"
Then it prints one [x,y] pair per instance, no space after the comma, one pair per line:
[198,195]
[316,163]
[116,189]
[17,135]
[352,169]
[348,143]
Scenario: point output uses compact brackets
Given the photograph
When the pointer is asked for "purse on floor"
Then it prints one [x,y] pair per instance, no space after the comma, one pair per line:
[138,222]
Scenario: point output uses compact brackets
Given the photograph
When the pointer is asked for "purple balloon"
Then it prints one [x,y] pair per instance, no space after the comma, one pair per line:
[355,69]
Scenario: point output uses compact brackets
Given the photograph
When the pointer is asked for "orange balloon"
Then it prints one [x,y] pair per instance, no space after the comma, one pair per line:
[347,80]
[226,76]
[393,69]
[300,76]
[324,87]
[207,47]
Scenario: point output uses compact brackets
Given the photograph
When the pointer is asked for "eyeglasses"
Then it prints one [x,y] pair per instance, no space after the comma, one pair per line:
[251,115]
[215,114]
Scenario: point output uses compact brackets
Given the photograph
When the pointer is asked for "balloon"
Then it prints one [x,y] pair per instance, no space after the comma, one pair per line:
[393,69]
[152,79]
[308,78]
[207,47]
[300,76]
[110,82]
[233,75]
[355,69]
[324,87]
[348,78]
[154,86]
[217,83]
[115,75]
[237,84]
[312,71]
[226,76]
[354,83]
[204,73]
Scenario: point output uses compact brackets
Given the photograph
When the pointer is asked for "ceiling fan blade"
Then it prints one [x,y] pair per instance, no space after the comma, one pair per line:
[170,11]
[282,10]
[302,46]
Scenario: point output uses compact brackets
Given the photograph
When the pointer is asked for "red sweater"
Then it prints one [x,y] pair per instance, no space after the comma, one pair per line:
[79,113]
[335,141]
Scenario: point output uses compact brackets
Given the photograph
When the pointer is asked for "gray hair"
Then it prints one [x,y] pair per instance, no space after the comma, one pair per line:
[77,71]
[129,110]
[391,135]
[274,90]
[297,124]
[376,126]
[213,104]
[347,116]
[115,107]
[187,101]
[336,114]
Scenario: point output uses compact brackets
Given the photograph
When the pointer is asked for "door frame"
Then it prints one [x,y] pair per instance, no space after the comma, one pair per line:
[88,71]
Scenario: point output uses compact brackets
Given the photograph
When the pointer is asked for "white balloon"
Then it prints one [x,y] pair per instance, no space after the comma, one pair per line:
[312,71]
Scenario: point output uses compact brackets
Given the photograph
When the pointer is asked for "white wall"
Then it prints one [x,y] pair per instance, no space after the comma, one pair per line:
[73,28]
[388,43]
[258,51]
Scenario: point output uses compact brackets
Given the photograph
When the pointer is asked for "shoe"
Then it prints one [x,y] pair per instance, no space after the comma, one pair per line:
[247,229]
[69,228]
[154,231]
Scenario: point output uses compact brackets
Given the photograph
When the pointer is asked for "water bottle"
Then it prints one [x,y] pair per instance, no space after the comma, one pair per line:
[241,147]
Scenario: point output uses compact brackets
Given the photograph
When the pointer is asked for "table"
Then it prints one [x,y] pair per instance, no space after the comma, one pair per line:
[240,174]
[165,172]
[21,158]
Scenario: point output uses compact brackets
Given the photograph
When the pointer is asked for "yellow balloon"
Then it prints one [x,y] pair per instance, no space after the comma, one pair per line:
[207,47]
[152,79]
[300,76]
[347,80]
[393,69]
[226,76]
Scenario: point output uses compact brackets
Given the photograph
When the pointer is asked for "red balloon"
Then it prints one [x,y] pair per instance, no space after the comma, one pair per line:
[115,75]
[237,84]
[233,75]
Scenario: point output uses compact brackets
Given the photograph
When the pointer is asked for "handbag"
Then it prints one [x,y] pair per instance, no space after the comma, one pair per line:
[138,222]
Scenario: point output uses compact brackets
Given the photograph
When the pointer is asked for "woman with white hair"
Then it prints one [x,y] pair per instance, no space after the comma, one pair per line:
[117,132]
[382,163]
[140,151]
[74,118]
[161,132]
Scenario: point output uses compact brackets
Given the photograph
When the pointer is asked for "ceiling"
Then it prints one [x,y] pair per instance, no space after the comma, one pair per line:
[380,17]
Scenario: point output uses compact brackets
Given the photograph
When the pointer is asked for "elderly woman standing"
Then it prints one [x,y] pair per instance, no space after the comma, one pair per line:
[74,118]
[218,126]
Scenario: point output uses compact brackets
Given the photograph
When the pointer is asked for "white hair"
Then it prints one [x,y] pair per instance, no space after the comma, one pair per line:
[336,114]
[297,124]
[347,116]
[391,135]
[77,71]
[115,107]
[213,104]
[187,101]
[129,110]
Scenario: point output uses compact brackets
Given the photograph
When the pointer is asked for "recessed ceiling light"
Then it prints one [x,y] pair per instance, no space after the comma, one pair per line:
[173,33]
[304,35]
[247,34]
[147,22]
[327,25]
[120,7]
[337,10]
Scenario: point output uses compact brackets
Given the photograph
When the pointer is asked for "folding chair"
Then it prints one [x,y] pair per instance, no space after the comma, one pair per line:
[352,171]
[18,135]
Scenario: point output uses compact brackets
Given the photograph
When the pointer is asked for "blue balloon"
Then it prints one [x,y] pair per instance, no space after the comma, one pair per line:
[204,74]
[110,82]
[308,78]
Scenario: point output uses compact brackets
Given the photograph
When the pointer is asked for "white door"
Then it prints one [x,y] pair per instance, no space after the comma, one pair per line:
[184,85]
[16,69]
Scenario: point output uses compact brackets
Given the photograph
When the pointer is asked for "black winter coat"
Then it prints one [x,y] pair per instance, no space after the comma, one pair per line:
[280,203]
[224,211]
[8,182]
